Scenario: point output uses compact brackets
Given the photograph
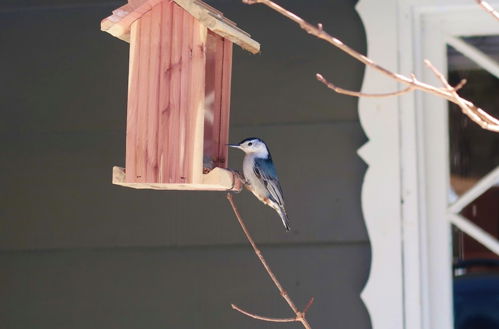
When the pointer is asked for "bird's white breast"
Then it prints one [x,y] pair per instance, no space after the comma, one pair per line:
[257,186]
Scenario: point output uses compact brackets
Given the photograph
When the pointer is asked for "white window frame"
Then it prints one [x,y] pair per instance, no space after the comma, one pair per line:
[406,187]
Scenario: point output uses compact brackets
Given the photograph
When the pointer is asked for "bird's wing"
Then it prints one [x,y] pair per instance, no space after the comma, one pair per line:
[265,171]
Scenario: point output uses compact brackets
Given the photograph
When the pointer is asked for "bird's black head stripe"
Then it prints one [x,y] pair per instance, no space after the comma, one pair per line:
[249,139]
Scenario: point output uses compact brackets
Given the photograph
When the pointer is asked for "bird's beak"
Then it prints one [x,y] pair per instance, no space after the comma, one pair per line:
[234,146]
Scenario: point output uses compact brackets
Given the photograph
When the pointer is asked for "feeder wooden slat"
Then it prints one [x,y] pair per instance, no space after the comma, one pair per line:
[133,83]
[185,95]
[197,87]
[216,180]
[225,106]
[143,97]
[164,86]
[185,140]
[209,102]
[173,126]
[214,66]
[218,96]
[153,97]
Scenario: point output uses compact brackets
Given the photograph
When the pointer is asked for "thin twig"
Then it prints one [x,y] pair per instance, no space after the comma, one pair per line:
[482,118]
[460,84]
[443,80]
[488,8]
[310,302]
[340,90]
[474,115]
[263,318]
[300,316]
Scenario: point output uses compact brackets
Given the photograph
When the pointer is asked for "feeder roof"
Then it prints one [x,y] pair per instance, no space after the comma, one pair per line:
[119,23]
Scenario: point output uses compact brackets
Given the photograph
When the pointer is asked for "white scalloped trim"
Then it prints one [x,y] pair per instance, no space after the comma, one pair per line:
[383,294]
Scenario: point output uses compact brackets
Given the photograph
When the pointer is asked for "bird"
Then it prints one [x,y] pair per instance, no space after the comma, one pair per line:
[261,176]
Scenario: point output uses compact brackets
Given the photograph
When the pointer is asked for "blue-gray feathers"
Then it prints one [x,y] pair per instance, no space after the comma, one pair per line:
[265,171]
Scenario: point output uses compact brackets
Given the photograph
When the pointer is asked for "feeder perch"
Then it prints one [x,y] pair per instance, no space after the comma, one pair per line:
[178,93]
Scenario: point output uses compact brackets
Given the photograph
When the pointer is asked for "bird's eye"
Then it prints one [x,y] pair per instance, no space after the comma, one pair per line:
[250,143]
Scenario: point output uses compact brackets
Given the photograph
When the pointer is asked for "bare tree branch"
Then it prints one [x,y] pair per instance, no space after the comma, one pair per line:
[488,8]
[263,318]
[442,79]
[339,90]
[482,118]
[440,76]
[300,315]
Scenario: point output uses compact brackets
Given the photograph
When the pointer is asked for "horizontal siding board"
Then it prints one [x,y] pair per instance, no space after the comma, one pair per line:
[105,58]
[67,199]
[279,86]
[76,82]
[191,288]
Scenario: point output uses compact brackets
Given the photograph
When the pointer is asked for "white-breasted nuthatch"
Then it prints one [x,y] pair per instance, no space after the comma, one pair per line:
[261,176]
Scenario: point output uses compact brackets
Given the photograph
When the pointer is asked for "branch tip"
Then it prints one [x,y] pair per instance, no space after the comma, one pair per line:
[310,302]
[460,84]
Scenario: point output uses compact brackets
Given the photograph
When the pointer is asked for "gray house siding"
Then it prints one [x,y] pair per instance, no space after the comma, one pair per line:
[79,252]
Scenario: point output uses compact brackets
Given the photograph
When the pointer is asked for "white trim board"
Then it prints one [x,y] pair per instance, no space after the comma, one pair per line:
[405,189]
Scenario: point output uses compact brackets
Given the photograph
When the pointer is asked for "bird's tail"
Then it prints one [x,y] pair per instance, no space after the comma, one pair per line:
[285,220]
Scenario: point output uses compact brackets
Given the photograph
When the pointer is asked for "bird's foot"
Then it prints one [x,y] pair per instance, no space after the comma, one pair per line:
[238,181]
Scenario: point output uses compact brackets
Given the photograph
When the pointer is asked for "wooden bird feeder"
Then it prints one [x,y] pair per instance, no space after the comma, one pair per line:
[178,93]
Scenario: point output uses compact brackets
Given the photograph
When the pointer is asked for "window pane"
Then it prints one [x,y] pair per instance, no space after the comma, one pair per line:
[474,152]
